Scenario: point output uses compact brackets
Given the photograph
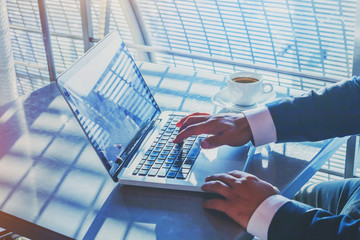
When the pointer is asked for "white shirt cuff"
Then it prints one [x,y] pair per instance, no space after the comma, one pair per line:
[259,222]
[261,125]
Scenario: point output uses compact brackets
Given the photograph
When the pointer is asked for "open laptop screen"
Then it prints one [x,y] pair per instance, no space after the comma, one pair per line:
[110,99]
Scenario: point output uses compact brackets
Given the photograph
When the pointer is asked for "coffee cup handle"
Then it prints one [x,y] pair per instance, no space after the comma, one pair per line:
[269,86]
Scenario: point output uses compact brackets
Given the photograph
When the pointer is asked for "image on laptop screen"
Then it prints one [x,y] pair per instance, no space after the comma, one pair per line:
[111,101]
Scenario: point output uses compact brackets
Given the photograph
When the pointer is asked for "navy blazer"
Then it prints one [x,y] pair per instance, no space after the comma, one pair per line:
[331,112]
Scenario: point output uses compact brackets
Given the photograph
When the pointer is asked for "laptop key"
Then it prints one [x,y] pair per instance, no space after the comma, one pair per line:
[184,170]
[177,163]
[194,150]
[165,152]
[143,172]
[187,146]
[154,154]
[165,137]
[185,151]
[186,166]
[149,162]
[167,148]
[158,149]
[169,160]
[174,168]
[162,172]
[153,172]
[171,174]
[167,165]
[190,161]
[161,145]
[159,161]
[172,156]
[182,156]
[157,165]
[135,172]
[146,167]
[175,151]
[181,175]
[170,144]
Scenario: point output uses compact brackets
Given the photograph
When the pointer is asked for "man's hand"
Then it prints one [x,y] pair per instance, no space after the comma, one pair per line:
[243,193]
[233,130]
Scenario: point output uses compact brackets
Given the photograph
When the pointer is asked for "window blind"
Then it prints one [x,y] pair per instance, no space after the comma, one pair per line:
[308,36]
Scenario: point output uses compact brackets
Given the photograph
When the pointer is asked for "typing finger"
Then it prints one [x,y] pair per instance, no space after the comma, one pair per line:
[196,129]
[193,120]
[223,177]
[217,187]
[178,124]
[238,174]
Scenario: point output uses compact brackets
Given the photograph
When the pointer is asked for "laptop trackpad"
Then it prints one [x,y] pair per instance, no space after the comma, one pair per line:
[220,160]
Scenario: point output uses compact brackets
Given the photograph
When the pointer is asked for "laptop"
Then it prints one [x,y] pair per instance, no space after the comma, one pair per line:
[130,134]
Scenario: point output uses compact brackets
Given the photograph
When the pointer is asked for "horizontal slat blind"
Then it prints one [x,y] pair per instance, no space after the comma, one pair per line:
[64,19]
[314,37]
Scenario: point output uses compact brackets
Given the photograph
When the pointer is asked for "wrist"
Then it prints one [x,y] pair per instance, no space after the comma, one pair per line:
[243,125]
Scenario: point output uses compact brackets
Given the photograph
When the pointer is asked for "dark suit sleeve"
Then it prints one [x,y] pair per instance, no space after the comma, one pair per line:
[297,221]
[330,112]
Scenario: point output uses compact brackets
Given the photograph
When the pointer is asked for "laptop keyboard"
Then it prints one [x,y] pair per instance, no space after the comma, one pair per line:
[167,159]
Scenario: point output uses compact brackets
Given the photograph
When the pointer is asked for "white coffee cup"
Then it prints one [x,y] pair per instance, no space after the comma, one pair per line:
[247,88]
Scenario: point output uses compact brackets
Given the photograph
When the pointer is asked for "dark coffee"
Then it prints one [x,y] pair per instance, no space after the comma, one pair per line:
[245,80]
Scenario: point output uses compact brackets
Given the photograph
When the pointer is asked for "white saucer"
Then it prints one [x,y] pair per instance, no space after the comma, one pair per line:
[222,99]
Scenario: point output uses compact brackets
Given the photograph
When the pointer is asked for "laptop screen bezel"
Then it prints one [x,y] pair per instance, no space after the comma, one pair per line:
[91,53]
